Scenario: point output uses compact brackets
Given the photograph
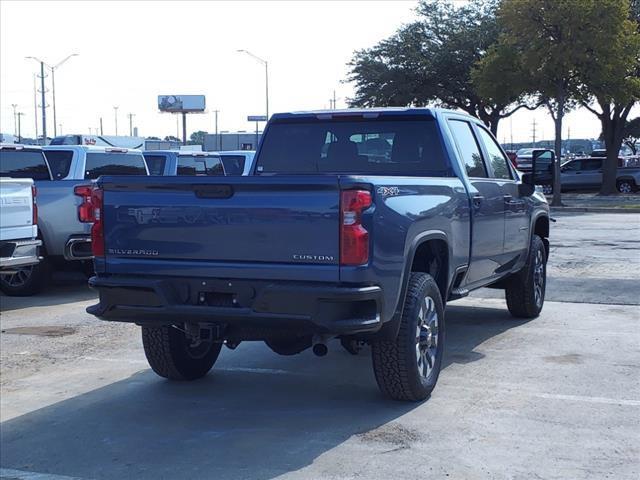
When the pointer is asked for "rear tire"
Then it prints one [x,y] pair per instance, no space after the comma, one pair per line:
[170,354]
[407,367]
[626,186]
[28,281]
[525,290]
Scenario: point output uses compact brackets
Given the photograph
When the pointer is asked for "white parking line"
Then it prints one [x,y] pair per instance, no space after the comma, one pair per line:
[9,474]
[580,398]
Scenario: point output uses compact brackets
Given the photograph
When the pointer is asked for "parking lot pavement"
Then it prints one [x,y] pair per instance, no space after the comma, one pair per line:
[557,397]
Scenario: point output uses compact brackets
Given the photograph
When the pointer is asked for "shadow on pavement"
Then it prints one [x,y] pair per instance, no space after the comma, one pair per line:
[257,415]
[63,287]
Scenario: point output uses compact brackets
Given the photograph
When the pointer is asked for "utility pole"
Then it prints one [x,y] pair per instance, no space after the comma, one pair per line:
[569,139]
[115,109]
[534,134]
[216,126]
[19,130]
[35,104]
[44,105]
[60,127]
[184,128]
[101,132]
[53,84]
[15,119]
[177,126]
[511,128]
[131,115]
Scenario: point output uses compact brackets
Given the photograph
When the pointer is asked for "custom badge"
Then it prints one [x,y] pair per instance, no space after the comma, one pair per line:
[388,191]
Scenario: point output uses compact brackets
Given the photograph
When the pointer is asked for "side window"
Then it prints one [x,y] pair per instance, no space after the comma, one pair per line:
[592,164]
[498,161]
[59,162]
[468,147]
[574,166]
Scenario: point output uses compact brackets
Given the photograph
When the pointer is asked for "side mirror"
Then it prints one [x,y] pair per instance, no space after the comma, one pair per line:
[542,162]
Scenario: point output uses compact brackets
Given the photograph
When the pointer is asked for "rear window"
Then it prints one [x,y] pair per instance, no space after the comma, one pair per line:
[23,164]
[59,162]
[67,140]
[191,165]
[233,164]
[155,164]
[400,147]
[112,163]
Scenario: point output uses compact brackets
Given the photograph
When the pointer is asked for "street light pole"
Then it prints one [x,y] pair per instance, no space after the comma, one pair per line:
[44,105]
[53,68]
[115,109]
[266,76]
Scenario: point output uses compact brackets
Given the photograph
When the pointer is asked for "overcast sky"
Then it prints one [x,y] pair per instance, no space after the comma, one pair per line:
[129,52]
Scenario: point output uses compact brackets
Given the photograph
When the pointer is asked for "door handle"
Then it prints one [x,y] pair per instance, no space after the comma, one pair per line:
[508,198]
[477,201]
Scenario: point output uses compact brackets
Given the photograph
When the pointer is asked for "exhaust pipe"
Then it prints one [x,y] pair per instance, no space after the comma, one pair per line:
[319,346]
[320,349]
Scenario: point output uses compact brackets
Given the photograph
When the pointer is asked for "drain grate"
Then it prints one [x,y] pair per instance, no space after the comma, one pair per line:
[42,331]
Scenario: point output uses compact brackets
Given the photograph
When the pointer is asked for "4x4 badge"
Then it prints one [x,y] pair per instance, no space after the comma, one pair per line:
[388,191]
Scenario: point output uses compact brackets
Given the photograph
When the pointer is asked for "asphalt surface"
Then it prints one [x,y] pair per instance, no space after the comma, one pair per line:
[557,397]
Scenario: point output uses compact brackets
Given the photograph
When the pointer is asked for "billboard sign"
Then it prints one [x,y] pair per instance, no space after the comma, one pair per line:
[181,103]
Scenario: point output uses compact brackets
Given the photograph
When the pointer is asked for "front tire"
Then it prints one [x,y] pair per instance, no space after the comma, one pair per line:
[525,290]
[171,355]
[407,368]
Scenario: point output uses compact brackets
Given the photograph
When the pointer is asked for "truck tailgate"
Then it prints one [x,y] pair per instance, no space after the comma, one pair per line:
[246,220]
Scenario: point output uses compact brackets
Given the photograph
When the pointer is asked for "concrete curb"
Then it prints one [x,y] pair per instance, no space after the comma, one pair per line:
[596,209]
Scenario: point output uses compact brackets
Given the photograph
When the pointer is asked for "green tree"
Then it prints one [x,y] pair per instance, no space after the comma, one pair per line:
[171,138]
[430,61]
[631,134]
[197,138]
[547,44]
[611,80]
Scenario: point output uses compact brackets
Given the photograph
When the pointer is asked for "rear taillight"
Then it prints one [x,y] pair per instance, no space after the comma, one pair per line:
[97,229]
[90,211]
[85,210]
[34,205]
[354,239]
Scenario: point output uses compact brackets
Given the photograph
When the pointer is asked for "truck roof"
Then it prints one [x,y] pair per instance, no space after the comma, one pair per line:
[92,148]
[367,112]
[20,146]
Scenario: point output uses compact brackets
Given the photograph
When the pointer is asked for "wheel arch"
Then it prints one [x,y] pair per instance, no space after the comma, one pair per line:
[429,252]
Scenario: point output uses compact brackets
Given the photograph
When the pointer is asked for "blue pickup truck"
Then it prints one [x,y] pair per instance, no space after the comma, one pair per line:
[356,224]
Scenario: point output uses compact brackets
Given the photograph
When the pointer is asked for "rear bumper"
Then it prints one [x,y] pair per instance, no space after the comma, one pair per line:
[299,307]
[20,253]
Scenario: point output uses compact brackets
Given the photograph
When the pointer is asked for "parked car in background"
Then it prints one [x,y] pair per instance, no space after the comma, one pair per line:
[56,176]
[183,162]
[19,242]
[323,241]
[587,174]
[513,156]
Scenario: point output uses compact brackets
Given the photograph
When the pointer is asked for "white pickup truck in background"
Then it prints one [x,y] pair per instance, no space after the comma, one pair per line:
[19,226]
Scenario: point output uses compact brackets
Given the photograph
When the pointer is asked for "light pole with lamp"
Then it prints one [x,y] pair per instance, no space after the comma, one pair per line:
[266,76]
[53,68]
